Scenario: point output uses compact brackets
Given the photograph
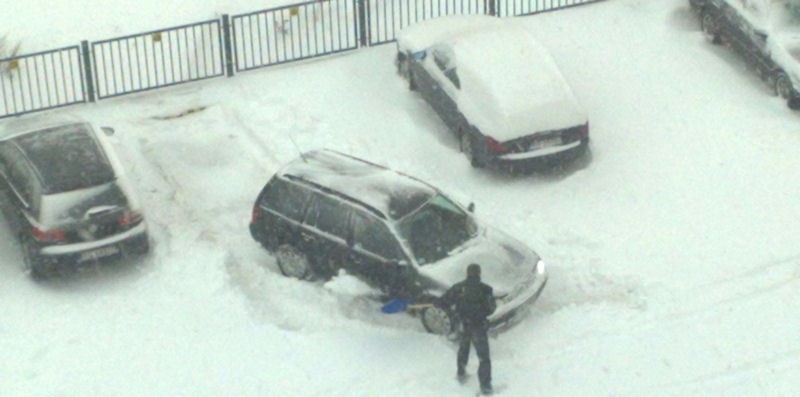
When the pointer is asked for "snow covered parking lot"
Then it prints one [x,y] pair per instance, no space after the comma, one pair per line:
[674,251]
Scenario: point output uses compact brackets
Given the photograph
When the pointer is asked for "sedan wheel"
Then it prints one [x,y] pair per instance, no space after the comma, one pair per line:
[292,262]
[437,320]
[467,144]
[34,264]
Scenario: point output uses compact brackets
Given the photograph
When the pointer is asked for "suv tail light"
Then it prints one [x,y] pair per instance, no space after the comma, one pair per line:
[584,131]
[47,235]
[255,215]
[495,147]
[129,217]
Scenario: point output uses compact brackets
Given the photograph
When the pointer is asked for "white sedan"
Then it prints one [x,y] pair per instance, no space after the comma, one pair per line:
[497,89]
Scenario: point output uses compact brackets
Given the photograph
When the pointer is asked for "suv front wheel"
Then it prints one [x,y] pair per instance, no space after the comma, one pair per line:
[292,262]
[438,320]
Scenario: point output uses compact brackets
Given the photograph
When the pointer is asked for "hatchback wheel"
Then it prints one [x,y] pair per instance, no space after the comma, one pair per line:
[437,320]
[710,27]
[292,262]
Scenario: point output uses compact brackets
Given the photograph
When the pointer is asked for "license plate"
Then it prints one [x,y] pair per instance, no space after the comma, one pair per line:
[546,142]
[98,253]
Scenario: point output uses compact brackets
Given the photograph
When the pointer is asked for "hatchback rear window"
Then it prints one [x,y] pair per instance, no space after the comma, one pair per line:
[67,158]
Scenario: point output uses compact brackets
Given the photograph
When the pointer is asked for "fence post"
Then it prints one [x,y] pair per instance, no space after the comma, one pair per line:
[362,22]
[491,7]
[88,75]
[226,37]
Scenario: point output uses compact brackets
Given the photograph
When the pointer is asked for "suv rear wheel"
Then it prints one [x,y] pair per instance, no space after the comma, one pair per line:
[292,262]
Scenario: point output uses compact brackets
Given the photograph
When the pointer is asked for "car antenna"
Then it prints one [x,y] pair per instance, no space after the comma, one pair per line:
[302,156]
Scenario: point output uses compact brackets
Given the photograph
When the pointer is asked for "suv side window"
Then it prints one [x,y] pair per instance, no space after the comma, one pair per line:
[285,198]
[374,236]
[329,215]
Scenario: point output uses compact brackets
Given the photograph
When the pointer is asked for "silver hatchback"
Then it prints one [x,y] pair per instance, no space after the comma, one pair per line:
[64,195]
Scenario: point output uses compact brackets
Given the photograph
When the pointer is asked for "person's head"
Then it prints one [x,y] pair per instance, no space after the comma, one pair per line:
[474,270]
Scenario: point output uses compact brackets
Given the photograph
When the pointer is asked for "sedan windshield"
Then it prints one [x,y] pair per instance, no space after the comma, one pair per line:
[435,229]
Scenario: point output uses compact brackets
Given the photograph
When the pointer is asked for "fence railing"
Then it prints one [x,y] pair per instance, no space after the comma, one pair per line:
[158,59]
[516,8]
[44,80]
[294,33]
[387,17]
[232,44]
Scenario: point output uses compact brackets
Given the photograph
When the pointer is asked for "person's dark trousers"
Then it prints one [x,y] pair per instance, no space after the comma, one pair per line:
[476,335]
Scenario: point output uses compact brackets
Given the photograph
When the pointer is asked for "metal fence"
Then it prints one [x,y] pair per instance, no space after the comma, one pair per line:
[514,8]
[294,33]
[232,44]
[43,80]
[158,59]
[385,18]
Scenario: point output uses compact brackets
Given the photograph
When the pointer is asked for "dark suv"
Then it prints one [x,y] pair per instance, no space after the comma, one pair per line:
[64,195]
[766,35]
[327,211]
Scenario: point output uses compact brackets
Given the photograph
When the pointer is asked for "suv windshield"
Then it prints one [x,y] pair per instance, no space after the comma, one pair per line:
[436,229]
[67,158]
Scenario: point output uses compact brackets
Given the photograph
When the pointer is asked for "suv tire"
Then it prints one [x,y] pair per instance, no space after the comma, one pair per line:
[292,262]
[437,320]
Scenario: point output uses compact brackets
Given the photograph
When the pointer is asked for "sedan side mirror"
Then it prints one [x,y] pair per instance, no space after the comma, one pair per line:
[108,131]
[471,208]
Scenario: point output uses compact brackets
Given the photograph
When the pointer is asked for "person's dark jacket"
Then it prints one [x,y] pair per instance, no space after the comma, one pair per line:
[473,301]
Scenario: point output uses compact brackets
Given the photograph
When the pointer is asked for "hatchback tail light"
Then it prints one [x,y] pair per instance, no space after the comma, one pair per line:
[255,215]
[495,147]
[130,217]
[47,235]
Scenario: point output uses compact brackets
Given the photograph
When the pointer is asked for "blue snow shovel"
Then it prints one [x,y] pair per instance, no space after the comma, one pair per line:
[395,306]
[398,305]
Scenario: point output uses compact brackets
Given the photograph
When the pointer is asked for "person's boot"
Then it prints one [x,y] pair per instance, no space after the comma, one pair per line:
[462,376]
[486,390]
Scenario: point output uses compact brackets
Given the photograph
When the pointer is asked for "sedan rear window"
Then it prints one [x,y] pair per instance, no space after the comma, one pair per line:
[67,158]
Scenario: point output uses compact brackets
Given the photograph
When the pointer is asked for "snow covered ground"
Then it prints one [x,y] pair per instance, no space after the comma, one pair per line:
[674,247]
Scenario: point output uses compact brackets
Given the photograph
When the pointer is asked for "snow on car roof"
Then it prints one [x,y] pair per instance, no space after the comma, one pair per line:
[17,126]
[392,193]
[510,85]
[421,35]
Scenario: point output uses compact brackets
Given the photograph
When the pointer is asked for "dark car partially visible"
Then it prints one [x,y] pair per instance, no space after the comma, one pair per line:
[65,196]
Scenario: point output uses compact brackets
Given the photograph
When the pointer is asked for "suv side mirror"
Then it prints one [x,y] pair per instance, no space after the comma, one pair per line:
[107,130]
[471,208]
